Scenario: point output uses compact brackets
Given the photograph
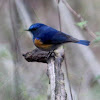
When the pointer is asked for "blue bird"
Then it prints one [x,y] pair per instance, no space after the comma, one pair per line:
[48,39]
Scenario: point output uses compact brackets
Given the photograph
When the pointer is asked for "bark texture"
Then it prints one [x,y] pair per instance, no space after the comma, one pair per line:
[54,71]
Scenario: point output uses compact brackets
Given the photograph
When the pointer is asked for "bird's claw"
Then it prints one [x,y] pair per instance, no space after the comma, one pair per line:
[51,54]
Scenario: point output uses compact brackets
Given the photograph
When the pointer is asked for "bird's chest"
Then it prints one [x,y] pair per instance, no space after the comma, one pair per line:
[39,44]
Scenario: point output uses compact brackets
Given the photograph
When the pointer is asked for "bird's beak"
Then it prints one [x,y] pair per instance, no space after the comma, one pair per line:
[26,30]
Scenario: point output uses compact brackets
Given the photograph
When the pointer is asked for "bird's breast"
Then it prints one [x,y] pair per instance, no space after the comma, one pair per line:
[38,43]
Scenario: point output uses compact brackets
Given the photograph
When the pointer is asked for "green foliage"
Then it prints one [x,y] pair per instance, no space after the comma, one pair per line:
[81,24]
[40,97]
[97,40]
[4,53]
[24,93]
[26,96]
[1,83]
[98,33]
[95,92]
[40,94]
[97,78]
[6,91]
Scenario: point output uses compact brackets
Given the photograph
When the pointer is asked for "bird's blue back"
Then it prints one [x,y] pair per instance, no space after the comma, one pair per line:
[49,35]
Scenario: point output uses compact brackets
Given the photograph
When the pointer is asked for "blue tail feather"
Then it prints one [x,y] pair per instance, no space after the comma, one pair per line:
[84,42]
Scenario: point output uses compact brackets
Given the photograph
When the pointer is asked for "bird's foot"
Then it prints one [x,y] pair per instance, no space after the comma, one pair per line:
[51,54]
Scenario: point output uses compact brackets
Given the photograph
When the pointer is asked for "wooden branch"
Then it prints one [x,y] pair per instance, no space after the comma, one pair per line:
[36,56]
[51,75]
[55,73]
[60,85]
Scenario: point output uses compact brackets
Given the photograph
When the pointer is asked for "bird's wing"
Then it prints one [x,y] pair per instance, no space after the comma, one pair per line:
[56,37]
[61,37]
[49,35]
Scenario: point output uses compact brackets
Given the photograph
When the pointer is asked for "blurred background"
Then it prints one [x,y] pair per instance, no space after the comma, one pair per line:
[22,80]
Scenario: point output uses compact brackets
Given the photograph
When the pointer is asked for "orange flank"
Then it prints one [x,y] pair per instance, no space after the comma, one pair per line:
[40,44]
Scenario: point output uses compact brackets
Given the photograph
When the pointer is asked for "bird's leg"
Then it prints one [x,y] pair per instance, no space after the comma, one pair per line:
[51,53]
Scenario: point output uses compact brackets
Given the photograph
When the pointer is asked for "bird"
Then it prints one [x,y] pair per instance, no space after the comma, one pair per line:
[49,39]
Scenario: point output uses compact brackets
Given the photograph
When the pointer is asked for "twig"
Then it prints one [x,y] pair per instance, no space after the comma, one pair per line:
[80,18]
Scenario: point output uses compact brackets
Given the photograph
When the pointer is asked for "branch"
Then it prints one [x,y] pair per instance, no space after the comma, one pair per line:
[80,18]
[51,75]
[36,56]
[55,73]
[60,85]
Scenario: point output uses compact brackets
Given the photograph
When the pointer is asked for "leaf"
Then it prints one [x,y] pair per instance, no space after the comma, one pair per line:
[97,33]
[97,77]
[81,24]
[97,40]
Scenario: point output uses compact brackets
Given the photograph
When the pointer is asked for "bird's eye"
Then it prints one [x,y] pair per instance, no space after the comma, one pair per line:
[34,29]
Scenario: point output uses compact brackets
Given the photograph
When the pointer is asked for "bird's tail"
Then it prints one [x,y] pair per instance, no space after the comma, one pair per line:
[83,42]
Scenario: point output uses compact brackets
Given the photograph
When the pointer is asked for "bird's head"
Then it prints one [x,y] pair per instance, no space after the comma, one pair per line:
[34,27]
